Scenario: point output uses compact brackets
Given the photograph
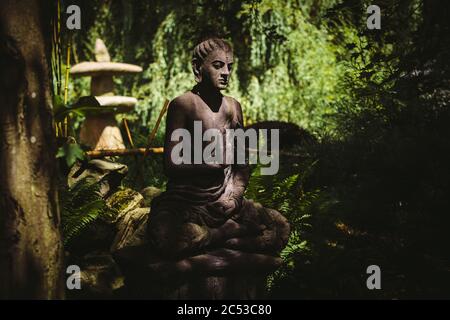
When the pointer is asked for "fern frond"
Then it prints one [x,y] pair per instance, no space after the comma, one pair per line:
[81,206]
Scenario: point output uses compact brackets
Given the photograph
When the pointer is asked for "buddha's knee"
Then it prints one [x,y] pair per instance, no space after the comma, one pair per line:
[280,226]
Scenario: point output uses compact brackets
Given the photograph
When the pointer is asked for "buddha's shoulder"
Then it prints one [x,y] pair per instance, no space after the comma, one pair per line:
[184,101]
[232,100]
[186,98]
[235,106]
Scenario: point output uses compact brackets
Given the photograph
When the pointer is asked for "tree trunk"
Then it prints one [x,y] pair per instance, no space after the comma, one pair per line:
[31,252]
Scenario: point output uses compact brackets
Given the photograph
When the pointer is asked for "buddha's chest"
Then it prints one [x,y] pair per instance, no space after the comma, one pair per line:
[220,120]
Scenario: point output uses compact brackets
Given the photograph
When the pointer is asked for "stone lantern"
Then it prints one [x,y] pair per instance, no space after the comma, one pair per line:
[100,130]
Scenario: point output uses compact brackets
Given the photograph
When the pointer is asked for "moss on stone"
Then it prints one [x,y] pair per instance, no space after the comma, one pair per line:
[124,200]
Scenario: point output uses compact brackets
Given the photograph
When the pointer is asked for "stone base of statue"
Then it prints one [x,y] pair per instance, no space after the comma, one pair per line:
[222,274]
[242,287]
[218,273]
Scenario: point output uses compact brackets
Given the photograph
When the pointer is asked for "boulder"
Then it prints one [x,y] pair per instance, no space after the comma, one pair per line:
[131,230]
[98,235]
[124,201]
[149,193]
[100,277]
[107,173]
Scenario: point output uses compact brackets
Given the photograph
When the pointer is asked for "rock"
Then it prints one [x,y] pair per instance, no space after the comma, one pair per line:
[149,193]
[124,201]
[107,173]
[131,230]
[98,235]
[100,277]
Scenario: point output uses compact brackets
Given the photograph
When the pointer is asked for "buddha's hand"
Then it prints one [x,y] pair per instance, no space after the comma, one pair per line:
[216,166]
[229,205]
[232,229]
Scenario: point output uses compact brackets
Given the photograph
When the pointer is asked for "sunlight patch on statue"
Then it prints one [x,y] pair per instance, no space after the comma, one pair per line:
[228,146]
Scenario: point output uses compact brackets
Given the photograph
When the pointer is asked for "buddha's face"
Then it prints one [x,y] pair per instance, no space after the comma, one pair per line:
[216,69]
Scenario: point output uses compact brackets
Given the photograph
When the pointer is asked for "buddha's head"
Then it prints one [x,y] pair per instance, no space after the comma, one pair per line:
[212,62]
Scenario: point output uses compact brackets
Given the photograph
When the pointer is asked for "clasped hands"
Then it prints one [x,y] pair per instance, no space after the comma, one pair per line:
[233,234]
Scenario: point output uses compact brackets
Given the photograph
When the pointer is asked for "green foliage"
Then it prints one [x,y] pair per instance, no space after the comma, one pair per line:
[81,205]
[288,86]
[285,68]
[82,107]
[145,172]
[286,192]
[71,152]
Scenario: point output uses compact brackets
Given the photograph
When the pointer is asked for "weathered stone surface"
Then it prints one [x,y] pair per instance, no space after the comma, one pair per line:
[219,274]
[149,194]
[103,68]
[242,287]
[216,274]
[100,277]
[122,103]
[101,132]
[102,85]
[101,52]
[131,229]
[98,235]
[124,201]
[107,173]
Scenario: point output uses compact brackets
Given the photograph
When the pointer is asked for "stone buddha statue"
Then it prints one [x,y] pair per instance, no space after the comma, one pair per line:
[202,221]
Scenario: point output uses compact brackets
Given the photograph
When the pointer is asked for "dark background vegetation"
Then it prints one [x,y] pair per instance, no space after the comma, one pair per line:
[367,178]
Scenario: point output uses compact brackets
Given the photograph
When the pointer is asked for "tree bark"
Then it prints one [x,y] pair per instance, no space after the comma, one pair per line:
[31,251]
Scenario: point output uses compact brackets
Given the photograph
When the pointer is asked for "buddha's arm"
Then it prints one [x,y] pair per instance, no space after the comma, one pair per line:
[241,177]
[240,172]
[177,119]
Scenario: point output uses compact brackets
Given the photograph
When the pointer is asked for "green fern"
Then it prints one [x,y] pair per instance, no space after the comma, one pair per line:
[81,205]
[286,193]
